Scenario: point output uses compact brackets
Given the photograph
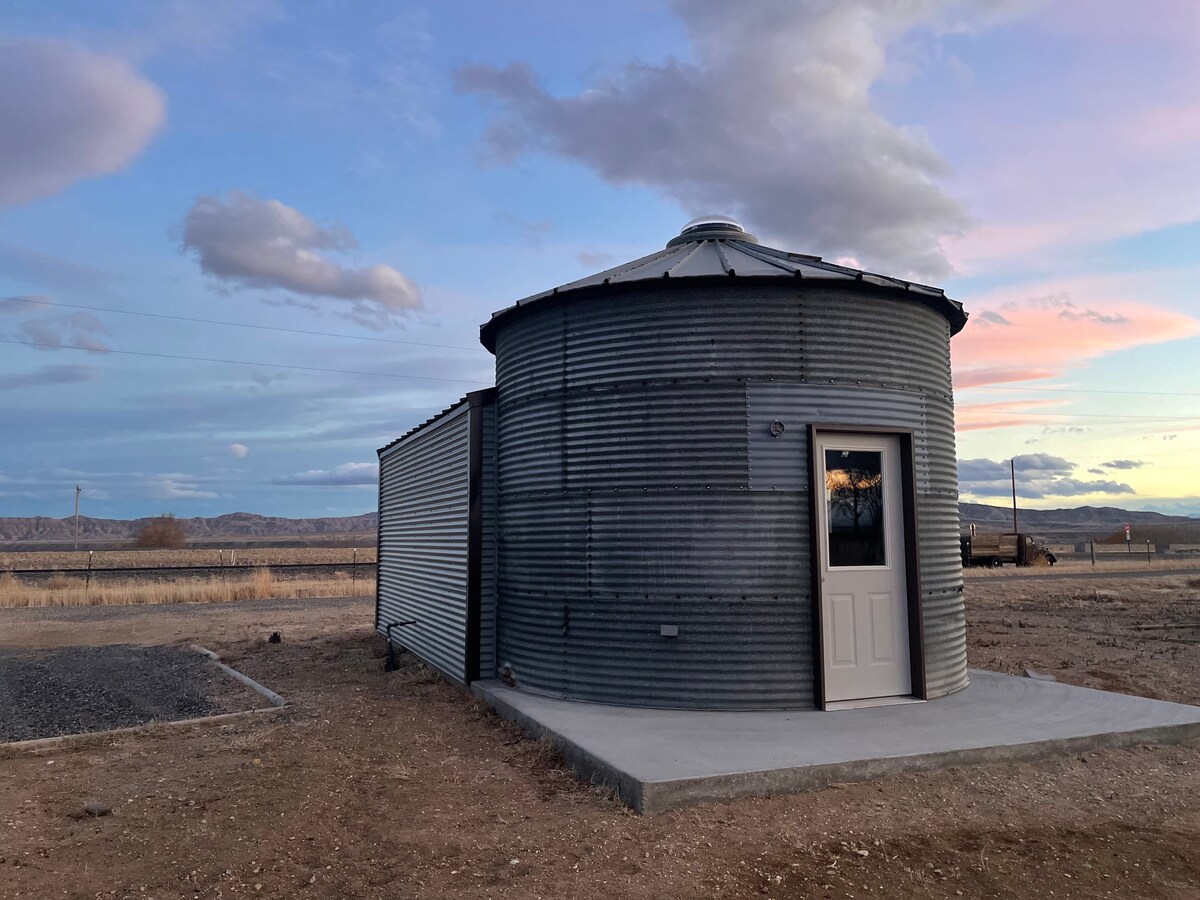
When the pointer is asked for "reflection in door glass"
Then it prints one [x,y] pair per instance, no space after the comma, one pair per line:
[854,496]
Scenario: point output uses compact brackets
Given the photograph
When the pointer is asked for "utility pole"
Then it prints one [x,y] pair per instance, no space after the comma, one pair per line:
[1012,468]
[78,491]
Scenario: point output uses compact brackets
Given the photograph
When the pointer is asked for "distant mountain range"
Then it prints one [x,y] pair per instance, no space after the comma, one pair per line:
[1081,520]
[242,528]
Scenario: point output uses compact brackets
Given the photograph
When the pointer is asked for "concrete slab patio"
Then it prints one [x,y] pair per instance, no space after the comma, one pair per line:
[663,759]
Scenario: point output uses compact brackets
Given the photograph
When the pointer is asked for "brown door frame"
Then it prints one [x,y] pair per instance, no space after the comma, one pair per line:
[912,554]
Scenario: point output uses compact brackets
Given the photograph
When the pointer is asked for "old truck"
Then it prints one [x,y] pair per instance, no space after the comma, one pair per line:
[994,550]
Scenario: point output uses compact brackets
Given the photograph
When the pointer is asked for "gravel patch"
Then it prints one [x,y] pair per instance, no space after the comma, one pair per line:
[81,689]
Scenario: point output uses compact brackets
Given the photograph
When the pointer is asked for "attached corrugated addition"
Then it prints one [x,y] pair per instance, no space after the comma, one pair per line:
[489,540]
[423,534]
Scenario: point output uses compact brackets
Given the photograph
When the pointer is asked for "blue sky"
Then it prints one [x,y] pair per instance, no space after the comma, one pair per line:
[394,173]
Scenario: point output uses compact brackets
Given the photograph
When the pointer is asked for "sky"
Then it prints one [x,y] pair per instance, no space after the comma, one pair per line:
[244,243]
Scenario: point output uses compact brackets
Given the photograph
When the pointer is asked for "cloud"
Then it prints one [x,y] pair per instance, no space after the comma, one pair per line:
[1004,414]
[69,114]
[177,487]
[1108,130]
[77,330]
[592,259]
[986,317]
[532,233]
[1038,475]
[238,451]
[1057,326]
[48,375]
[198,26]
[1072,487]
[1123,464]
[773,122]
[347,474]
[19,304]
[245,240]
[1028,466]
[1000,375]
[1043,463]
[50,272]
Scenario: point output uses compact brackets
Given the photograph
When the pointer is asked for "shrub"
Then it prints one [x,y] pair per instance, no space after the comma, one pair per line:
[164,532]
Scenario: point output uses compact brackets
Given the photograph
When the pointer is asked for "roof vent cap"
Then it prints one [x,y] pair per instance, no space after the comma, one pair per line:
[725,222]
[712,227]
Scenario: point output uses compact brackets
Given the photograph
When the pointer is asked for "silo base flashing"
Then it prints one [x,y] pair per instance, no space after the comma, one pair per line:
[658,760]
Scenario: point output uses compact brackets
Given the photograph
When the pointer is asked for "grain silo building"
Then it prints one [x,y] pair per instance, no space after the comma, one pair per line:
[721,476]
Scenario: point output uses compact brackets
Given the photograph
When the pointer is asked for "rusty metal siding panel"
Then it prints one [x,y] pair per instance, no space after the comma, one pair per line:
[423,536]
[637,491]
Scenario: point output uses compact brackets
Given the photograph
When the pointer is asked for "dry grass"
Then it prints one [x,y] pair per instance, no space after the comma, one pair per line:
[1104,563]
[61,590]
[117,559]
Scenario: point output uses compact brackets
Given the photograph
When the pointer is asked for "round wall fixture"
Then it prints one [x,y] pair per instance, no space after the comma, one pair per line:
[777,428]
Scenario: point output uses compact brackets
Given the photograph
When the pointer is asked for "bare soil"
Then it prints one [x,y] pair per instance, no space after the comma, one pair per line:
[399,785]
[1100,633]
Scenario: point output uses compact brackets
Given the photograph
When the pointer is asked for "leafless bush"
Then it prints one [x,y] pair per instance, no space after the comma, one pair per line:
[162,533]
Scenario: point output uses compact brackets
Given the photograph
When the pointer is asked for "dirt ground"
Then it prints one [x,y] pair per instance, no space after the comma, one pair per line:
[398,785]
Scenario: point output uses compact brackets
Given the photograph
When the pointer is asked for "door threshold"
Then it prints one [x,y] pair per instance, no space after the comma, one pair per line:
[868,702]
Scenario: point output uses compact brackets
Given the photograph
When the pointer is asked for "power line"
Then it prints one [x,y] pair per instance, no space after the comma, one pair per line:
[359,337]
[1003,386]
[150,315]
[1073,415]
[243,362]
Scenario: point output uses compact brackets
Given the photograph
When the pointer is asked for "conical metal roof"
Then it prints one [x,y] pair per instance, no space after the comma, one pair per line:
[717,247]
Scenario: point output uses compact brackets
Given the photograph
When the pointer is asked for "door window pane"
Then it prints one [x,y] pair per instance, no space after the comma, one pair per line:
[854,502]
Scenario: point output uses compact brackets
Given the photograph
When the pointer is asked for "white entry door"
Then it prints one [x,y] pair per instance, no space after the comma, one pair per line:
[861,551]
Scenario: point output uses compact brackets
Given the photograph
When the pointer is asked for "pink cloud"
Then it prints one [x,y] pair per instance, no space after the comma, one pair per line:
[1075,184]
[999,375]
[1087,146]
[1160,21]
[1003,414]
[1045,330]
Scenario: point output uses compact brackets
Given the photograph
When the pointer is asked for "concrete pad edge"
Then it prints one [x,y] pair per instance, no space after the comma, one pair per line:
[588,766]
[663,796]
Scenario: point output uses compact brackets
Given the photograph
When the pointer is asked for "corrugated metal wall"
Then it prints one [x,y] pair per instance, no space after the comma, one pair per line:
[423,541]
[635,492]
[489,543]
